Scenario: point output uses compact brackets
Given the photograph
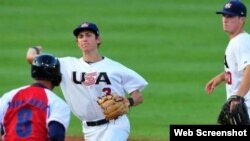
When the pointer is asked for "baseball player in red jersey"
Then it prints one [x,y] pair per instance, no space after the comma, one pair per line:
[34,112]
[237,54]
[92,76]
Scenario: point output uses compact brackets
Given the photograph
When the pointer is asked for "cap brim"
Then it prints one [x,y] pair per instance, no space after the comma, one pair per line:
[78,30]
[226,13]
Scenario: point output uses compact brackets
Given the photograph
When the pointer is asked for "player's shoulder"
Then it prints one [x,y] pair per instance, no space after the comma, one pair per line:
[53,97]
[113,62]
[243,39]
[67,61]
[243,36]
[118,66]
[51,94]
[11,93]
[67,58]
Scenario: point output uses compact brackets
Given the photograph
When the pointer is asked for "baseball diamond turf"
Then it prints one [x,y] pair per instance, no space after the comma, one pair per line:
[177,45]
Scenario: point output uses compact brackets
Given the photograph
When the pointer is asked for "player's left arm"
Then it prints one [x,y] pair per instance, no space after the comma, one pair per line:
[244,86]
[134,84]
[245,83]
[137,98]
[56,131]
[243,54]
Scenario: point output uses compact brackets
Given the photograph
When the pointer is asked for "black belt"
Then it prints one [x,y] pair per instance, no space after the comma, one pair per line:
[96,123]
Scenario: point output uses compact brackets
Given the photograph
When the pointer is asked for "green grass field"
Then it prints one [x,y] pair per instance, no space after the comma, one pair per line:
[177,45]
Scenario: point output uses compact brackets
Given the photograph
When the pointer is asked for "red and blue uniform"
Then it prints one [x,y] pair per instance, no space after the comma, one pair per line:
[25,113]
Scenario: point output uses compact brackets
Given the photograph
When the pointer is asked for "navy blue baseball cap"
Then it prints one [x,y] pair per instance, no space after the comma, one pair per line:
[86,26]
[234,8]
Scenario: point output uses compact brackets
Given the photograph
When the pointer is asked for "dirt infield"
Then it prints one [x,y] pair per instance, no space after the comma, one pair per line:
[74,138]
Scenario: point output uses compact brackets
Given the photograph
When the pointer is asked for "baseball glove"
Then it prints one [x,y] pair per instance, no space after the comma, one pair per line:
[113,106]
[237,115]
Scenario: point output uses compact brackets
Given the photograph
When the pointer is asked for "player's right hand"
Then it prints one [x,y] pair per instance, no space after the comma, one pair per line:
[210,86]
[32,53]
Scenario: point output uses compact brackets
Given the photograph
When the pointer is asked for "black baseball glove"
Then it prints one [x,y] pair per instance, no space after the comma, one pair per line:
[237,115]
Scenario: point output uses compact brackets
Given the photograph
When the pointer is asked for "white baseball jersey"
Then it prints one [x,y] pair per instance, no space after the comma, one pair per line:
[83,83]
[26,111]
[237,57]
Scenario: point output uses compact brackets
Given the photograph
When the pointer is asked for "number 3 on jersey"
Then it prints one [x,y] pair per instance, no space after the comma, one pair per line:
[107,91]
[23,126]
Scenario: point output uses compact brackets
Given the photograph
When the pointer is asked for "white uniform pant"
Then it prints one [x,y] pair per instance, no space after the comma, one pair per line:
[115,130]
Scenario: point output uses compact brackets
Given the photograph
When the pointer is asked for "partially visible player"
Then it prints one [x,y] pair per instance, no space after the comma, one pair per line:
[33,112]
[92,76]
[237,54]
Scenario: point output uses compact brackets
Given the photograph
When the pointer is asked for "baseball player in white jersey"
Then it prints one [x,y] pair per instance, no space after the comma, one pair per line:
[87,78]
[34,112]
[237,54]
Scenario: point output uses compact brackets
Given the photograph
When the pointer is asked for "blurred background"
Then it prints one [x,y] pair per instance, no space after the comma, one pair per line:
[177,45]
